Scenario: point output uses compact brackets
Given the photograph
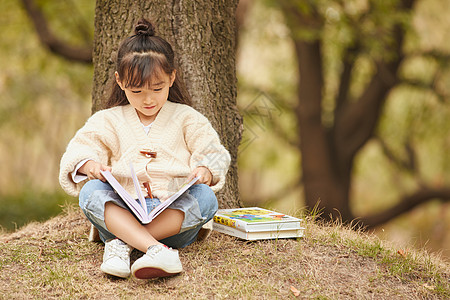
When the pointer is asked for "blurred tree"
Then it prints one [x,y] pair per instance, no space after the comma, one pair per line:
[52,41]
[350,55]
[203,37]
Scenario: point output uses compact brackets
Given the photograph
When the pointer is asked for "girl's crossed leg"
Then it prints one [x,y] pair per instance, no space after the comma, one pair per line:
[177,226]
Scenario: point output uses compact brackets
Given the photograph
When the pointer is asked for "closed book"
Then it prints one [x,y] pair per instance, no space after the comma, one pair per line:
[258,235]
[256,219]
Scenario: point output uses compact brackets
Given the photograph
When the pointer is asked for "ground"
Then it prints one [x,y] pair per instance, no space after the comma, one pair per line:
[55,260]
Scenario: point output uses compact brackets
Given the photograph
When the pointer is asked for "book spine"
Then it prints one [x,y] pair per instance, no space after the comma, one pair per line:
[235,223]
[225,221]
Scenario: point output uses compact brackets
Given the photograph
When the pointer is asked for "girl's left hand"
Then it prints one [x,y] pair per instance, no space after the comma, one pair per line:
[204,175]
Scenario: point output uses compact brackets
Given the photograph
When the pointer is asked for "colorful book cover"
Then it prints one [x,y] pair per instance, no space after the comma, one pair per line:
[256,219]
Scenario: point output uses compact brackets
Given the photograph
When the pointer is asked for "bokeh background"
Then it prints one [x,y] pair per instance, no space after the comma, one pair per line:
[44,99]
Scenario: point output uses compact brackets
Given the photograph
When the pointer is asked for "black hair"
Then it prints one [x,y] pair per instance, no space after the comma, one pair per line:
[141,58]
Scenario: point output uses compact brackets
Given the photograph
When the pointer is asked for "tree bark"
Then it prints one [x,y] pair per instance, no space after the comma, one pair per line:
[202,34]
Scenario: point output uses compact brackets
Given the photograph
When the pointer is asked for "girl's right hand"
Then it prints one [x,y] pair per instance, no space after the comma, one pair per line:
[92,170]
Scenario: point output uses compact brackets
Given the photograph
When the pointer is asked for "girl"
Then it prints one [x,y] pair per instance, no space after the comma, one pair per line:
[148,121]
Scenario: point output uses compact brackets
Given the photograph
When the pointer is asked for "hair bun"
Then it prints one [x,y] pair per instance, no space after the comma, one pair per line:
[144,27]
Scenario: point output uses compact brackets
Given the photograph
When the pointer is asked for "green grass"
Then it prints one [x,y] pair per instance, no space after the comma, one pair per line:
[28,206]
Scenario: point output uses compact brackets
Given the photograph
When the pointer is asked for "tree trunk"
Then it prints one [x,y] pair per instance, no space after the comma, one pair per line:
[328,152]
[203,37]
[325,183]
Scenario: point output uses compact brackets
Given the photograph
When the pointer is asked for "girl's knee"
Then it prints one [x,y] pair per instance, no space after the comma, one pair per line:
[206,199]
[89,188]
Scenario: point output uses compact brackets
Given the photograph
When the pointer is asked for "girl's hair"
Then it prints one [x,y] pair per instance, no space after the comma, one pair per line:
[141,58]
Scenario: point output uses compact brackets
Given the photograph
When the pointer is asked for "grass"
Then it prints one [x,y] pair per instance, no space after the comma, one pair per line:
[30,205]
[54,260]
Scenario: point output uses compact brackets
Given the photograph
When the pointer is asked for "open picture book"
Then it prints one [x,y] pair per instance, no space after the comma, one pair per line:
[139,206]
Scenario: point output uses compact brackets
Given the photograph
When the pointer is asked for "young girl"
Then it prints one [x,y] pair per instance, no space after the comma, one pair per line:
[148,122]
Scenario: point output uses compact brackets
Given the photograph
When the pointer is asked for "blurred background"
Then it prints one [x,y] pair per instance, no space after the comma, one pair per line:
[46,98]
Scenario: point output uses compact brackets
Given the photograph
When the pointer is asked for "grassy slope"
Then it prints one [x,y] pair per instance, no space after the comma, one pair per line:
[55,260]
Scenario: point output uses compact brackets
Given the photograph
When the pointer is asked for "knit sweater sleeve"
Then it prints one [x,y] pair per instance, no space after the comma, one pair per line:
[206,149]
[90,142]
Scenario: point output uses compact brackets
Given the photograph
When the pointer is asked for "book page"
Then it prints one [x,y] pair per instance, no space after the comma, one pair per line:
[158,209]
[138,189]
[127,198]
[140,208]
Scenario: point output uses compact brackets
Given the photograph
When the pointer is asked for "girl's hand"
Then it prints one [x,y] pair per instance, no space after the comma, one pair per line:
[204,175]
[92,170]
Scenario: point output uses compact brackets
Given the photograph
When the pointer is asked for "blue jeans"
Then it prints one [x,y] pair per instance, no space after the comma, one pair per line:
[198,203]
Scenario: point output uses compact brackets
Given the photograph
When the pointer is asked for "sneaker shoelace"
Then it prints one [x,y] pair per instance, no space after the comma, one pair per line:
[155,249]
[118,250]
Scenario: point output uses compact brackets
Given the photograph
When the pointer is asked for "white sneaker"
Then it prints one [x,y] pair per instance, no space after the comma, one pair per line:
[159,261]
[116,258]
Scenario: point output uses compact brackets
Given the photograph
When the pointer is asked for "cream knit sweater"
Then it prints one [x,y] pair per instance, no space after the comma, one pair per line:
[182,138]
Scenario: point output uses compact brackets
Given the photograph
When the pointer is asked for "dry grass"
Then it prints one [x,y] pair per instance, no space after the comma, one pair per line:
[54,260]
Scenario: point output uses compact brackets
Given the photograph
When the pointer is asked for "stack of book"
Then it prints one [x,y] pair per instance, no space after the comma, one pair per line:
[254,223]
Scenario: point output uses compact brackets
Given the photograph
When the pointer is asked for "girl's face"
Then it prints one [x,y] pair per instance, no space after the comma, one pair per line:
[148,100]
